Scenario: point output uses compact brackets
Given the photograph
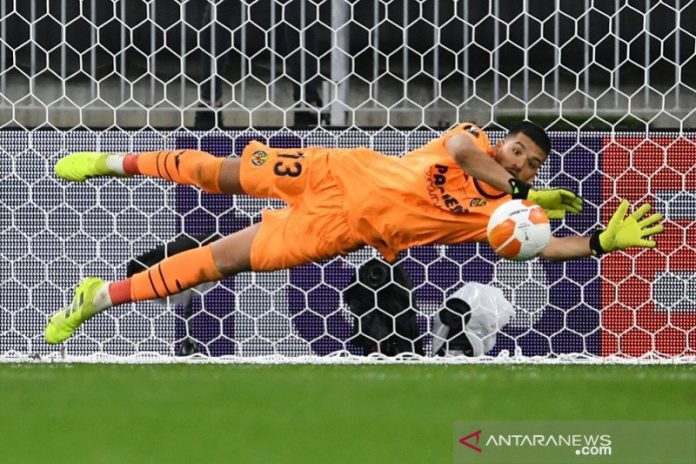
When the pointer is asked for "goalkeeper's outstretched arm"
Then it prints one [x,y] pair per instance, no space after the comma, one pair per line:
[622,232]
[515,166]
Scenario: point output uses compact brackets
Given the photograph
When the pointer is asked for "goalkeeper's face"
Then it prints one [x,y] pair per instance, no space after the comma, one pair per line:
[520,156]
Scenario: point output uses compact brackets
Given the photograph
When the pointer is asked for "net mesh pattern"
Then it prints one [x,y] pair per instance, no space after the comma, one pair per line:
[632,303]
[614,81]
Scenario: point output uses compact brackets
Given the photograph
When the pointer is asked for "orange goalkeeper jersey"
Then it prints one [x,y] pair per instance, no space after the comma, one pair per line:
[424,197]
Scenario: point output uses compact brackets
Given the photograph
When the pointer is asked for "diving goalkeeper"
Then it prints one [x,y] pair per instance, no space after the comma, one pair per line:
[340,200]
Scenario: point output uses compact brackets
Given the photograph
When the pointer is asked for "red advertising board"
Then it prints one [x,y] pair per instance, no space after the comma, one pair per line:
[649,296]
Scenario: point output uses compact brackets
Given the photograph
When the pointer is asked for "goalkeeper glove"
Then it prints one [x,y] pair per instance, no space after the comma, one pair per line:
[623,232]
[556,202]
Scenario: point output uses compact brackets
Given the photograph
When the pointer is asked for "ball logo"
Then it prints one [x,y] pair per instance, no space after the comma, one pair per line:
[259,158]
[472,436]
[518,230]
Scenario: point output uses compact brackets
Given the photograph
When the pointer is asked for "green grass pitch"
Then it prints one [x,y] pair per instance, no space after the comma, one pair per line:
[55,413]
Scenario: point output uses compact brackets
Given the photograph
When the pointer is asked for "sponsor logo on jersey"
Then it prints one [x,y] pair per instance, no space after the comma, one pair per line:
[259,158]
[436,180]
[473,130]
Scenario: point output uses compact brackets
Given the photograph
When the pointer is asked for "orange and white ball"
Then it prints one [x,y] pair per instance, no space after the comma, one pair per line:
[518,230]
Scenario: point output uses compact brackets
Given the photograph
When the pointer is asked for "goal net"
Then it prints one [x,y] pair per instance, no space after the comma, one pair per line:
[614,83]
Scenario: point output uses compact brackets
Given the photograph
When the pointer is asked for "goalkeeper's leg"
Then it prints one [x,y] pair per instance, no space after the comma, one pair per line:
[188,167]
[227,256]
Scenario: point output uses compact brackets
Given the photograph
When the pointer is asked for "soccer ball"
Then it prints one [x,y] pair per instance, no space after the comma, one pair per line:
[518,230]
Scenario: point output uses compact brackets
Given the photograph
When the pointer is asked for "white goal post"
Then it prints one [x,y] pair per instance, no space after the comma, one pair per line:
[614,82]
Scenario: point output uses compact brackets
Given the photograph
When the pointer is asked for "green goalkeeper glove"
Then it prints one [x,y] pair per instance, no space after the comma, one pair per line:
[556,202]
[623,232]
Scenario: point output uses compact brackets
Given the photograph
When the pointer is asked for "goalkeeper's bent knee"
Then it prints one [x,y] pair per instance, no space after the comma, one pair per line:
[188,167]
[175,274]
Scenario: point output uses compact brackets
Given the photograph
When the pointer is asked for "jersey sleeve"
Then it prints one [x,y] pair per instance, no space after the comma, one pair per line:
[471,130]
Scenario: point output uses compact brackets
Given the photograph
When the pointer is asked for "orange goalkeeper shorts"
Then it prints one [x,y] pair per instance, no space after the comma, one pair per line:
[313,227]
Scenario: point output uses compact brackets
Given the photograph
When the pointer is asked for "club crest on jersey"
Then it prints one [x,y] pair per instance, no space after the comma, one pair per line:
[259,158]
[477,202]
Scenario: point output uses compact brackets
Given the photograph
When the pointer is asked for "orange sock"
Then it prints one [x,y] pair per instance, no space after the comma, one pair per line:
[175,274]
[188,167]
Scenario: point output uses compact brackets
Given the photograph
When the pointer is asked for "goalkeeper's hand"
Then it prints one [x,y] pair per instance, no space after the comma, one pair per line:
[556,201]
[627,231]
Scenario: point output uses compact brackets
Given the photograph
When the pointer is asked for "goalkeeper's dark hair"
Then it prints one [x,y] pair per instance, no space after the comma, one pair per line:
[534,132]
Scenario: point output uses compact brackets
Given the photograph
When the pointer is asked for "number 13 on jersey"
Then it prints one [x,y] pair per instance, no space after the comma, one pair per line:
[287,167]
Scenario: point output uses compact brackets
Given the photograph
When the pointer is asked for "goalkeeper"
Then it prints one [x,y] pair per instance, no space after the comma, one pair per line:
[340,200]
